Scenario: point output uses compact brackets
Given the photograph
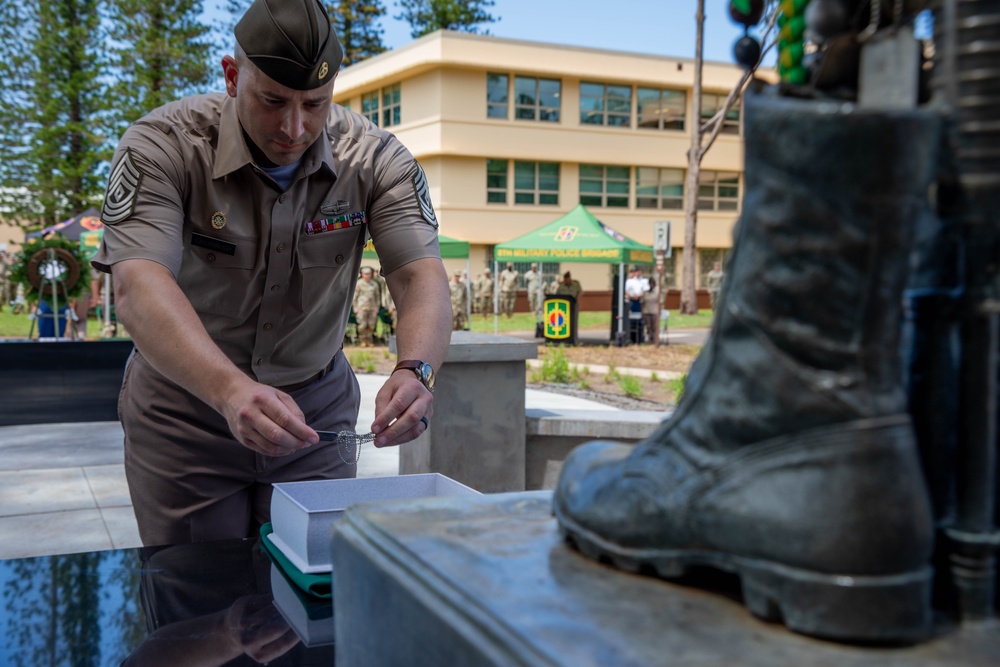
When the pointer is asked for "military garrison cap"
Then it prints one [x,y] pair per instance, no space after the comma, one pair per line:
[291,41]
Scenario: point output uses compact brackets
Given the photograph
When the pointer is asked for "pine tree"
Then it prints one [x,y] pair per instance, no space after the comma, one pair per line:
[52,109]
[161,54]
[426,16]
[355,23]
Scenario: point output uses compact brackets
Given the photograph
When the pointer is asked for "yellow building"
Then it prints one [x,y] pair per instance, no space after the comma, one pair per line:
[513,134]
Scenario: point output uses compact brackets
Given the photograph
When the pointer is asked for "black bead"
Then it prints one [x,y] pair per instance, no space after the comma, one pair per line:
[746,51]
[747,18]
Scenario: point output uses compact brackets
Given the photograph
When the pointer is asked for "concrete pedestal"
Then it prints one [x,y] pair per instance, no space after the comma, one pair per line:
[477,433]
[488,581]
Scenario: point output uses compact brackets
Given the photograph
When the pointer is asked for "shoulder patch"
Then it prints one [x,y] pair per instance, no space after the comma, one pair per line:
[123,186]
[424,197]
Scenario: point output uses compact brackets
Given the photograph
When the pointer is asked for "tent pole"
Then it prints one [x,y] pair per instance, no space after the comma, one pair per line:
[621,297]
[468,294]
[496,296]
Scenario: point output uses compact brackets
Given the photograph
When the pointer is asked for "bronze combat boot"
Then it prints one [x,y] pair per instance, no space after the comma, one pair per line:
[790,459]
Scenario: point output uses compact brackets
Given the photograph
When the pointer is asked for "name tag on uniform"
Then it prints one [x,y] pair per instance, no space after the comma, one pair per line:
[217,245]
[340,222]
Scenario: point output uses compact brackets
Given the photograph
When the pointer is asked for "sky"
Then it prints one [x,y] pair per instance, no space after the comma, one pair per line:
[658,27]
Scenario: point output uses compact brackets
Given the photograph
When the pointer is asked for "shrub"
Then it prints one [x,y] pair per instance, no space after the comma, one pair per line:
[555,366]
[677,386]
[631,385]
[612,375]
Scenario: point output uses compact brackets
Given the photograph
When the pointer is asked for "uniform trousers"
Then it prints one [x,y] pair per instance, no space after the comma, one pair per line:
[191,481]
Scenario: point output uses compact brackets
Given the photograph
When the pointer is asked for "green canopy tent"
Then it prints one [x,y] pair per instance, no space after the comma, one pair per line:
[575,237]
[450,249]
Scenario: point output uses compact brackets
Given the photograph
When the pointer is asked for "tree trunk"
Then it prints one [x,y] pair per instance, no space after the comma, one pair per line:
[689,298]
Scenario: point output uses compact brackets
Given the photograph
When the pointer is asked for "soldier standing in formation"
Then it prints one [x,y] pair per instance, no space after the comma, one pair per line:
[484,294]
[508,290]
[459,302]
[713,282]
[531,280]
[367,301]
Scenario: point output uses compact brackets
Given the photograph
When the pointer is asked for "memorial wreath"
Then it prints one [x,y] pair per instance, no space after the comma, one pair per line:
[42,263]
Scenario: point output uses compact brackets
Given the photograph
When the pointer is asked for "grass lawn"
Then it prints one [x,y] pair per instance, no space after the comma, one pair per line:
[588,320]
[18,326]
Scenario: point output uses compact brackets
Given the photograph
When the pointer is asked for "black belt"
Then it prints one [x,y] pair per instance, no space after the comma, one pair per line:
[305,383]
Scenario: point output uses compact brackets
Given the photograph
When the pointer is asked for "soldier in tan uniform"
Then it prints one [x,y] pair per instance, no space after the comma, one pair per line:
[484,294]
[508,289]
[531,283]
[459,302]
[234,227]
[367,301]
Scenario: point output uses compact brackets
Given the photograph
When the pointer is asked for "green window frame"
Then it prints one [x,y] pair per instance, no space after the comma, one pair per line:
[536,183]
[605,104]
[661,188]
[718,191]
[537,99]
[661,108]
[496,181]
[712,102]
[497,95]
[605,186]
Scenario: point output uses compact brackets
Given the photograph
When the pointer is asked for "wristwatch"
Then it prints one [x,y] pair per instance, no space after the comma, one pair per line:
[422,369]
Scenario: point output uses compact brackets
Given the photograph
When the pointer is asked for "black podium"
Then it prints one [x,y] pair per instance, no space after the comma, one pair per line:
[559,319]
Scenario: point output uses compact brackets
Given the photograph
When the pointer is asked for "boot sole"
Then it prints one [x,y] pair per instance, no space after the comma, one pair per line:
[885,609]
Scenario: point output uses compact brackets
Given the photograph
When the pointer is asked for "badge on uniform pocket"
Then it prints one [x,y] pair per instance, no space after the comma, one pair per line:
[355,219]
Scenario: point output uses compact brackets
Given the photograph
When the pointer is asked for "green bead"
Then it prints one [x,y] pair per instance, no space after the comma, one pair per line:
[793,29]
[795,76]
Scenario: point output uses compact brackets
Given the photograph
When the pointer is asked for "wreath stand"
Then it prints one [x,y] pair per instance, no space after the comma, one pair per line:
[48,271]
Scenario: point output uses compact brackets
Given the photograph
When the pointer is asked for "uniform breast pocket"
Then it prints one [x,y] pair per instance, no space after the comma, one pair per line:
[330,249]
[327,264]
[224,251]
[219,274]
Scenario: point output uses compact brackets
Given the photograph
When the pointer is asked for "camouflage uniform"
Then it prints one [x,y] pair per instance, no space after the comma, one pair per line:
[484,295]
[508,290]
[713,282]
[459,302]
[367,301]
[531,280]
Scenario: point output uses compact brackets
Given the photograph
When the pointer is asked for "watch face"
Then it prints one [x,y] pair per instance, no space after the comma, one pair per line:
[426,375]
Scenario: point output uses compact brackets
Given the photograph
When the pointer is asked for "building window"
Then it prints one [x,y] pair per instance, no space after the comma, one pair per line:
[718,191]
[382,107]
[602,104]
[496,181]
[712,102]
[390,105]
[604,186]
[661,109]
[659,188]
[536,183]
[369,106]
[536,99]
[496,95]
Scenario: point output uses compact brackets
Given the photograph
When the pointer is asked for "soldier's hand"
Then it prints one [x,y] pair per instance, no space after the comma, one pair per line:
[267,420]
[399,405]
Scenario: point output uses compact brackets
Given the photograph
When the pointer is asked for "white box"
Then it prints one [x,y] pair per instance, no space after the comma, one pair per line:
[303,513]
[310,618]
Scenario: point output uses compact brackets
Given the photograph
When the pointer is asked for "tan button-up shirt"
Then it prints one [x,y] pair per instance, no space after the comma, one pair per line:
[271,273]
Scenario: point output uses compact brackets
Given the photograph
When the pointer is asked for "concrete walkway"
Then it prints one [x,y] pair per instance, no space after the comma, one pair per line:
[63,490]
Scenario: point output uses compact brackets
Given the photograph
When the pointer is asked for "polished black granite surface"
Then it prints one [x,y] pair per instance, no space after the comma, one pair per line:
[217,603]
